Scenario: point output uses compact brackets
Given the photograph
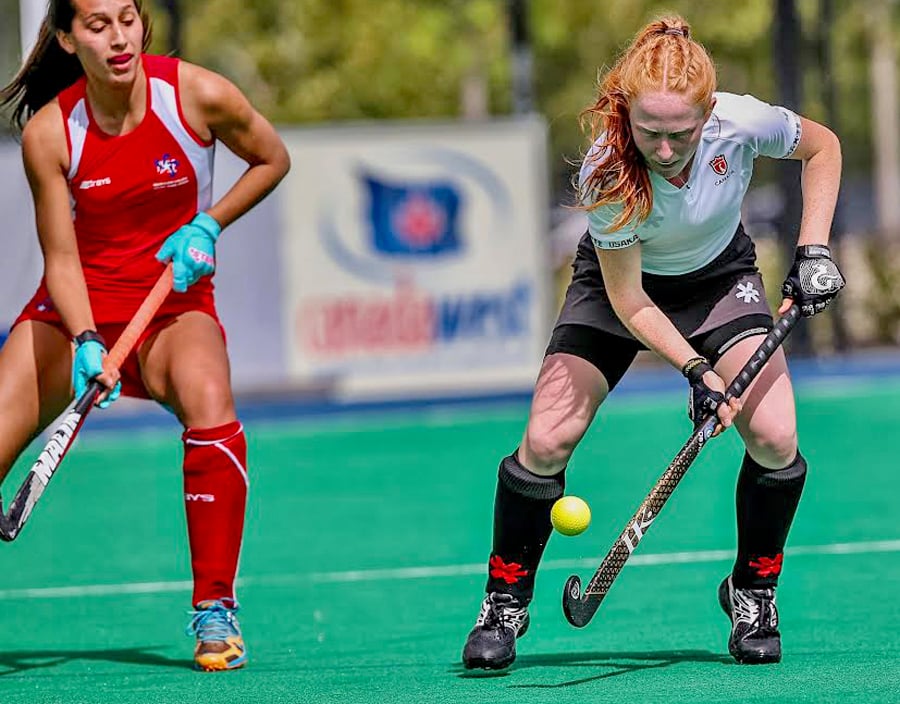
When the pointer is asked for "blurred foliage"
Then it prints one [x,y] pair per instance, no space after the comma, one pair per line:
[309,61]
[322,60]
[9,35]
[882,305]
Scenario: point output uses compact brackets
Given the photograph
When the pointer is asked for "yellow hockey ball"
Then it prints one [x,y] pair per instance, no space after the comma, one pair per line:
[570,515]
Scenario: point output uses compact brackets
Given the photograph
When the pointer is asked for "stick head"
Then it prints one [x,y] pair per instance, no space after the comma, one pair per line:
[573,605]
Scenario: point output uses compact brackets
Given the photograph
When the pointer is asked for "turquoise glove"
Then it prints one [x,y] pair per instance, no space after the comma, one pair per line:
[192,249]
[88,363]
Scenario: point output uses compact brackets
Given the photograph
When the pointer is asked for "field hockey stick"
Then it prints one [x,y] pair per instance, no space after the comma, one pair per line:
[64,435]
[579,607]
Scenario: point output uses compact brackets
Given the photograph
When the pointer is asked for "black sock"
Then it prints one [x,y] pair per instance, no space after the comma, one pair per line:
[521,527]
[766,500]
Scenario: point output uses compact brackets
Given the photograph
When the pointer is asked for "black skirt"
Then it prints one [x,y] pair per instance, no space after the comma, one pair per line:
[727,288]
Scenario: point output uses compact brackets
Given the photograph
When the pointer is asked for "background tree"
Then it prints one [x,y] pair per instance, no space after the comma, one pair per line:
[310,61]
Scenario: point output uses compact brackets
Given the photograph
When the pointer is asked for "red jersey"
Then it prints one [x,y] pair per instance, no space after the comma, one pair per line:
[130,192]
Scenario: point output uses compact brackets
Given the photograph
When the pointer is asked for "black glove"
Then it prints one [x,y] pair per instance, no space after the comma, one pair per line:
[702,401]
[814,279]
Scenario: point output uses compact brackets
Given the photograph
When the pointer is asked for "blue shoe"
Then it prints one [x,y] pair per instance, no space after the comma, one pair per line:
[220,645]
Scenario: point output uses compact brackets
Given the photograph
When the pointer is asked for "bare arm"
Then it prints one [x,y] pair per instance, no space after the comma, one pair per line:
[622,276]
[643,318]
[820,152]
[46,158]
[215,108]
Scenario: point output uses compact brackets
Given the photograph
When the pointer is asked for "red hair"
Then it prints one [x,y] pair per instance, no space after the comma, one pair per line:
[661,57]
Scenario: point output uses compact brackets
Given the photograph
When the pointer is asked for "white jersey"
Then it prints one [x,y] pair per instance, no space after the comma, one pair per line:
[689,226]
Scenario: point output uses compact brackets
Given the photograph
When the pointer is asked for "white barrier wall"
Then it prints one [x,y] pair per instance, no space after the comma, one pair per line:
[414,257]
[393,260]
[20,263]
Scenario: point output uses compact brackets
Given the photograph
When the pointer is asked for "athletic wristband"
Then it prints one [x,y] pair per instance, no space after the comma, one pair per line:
[813,251]
[692,364]
[88,336]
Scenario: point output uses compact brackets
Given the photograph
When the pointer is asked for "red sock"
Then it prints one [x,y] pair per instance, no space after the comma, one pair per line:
[215,495]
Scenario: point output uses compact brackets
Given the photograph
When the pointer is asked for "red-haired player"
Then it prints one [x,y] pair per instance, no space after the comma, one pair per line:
[666,266]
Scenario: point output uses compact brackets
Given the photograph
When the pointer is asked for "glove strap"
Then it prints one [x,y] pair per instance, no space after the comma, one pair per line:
[89,336]
[695,368]
[813,251]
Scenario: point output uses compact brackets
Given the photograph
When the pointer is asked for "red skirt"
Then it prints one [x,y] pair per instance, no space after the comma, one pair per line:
[197,298]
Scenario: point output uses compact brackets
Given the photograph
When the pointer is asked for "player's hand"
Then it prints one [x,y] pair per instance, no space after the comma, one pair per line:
[87,364]
[707,395]
[192,249]
[813,281]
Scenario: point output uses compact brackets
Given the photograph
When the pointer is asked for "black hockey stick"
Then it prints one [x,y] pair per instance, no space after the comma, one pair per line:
[63,436]
[579,607]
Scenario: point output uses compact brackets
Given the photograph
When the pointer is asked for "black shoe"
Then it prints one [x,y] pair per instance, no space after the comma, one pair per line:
[754,639]
[491,644]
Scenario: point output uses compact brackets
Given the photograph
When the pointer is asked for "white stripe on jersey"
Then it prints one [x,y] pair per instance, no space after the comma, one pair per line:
[78,126]
[165,106]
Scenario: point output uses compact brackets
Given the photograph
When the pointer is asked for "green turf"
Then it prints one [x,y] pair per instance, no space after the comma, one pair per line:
[374,496]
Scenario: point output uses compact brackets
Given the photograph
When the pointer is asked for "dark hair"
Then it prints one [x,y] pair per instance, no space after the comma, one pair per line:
[49,69]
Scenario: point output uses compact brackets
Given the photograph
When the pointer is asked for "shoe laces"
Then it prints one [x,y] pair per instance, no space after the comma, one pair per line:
[501,610]
[756,608]
[214,622]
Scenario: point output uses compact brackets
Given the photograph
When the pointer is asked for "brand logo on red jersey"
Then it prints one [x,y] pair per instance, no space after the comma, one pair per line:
[167,166]
[719,164]
[94,183]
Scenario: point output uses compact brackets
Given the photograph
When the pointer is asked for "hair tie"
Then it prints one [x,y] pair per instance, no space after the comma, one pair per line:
[678,32]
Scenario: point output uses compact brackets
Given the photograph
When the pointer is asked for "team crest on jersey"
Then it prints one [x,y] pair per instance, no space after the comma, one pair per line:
[167,166]
[719,164]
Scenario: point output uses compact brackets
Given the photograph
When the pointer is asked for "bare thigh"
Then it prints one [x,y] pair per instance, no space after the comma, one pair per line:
[35,385]
[768,421]
[568,392]
[185,365]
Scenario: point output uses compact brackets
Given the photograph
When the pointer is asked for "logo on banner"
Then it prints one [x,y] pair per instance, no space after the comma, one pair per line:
[413,219]
[413,289]
[414,216]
